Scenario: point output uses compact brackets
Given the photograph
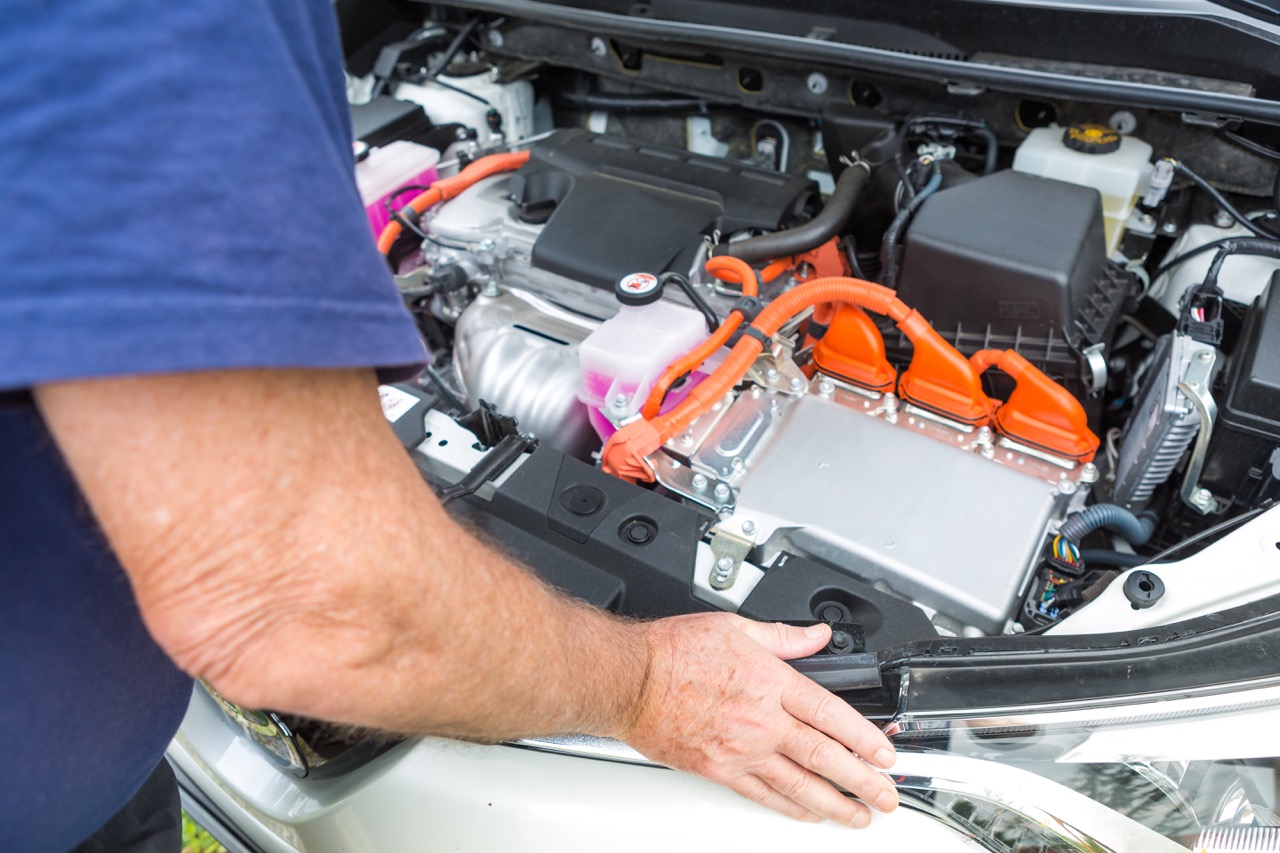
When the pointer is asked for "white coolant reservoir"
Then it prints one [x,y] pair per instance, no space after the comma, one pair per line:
[624,357]
[1091,156]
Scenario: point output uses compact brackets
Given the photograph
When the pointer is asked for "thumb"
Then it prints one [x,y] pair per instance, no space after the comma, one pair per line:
[788,641]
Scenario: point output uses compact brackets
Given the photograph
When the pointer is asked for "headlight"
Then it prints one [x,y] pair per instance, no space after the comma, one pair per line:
[1167,773]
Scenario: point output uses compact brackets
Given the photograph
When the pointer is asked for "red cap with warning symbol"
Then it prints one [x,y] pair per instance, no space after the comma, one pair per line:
[638,288]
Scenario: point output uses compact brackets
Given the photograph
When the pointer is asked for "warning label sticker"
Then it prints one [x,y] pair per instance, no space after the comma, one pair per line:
[395,403]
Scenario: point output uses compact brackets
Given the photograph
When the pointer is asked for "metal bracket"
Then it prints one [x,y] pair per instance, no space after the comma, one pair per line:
[731,542]
[776,370]
[1095,362]
[1195,385]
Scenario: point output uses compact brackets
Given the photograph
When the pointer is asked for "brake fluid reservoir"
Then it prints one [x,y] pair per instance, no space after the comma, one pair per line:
[1091,156]
[624,357]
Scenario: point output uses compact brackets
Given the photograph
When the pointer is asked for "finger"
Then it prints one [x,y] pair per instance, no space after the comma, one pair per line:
[820,754]
[813,792]
[827,713]
[787,641]
[758,791]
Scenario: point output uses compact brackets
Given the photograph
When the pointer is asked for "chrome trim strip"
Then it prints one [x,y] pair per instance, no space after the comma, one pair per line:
[1258,693]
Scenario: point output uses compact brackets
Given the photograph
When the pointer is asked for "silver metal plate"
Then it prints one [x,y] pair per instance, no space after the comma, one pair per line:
[934,519]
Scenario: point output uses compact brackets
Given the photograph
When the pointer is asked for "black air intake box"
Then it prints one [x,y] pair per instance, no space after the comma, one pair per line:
[1015,261]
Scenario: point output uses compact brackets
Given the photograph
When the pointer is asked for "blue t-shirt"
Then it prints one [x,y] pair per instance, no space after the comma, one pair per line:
[176,194]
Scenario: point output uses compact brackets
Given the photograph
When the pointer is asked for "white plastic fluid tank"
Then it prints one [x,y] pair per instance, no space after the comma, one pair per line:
[451,103]
[622,358]
[1092,156]
[387,169]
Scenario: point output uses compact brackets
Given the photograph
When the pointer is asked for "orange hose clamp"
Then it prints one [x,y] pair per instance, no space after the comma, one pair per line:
[1039,412]
[853,350]
[939,378]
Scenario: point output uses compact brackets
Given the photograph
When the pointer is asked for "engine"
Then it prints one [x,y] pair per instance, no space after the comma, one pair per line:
[690,321]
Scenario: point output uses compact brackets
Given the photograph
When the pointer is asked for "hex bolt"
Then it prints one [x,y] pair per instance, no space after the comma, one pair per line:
[722,576]
[796,383]
[772,375]
[700,482]
[620,401]
[749,527]
[1169,227]
[598,47]
[721,492]
[1088,473]
[1205,356]
[1222,219]
[826,388]
[1066,487]
[1203,498]
[817,83]
[490,289]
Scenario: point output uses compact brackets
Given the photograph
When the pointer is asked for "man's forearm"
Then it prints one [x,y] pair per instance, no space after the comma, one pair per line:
[281,544]
[281,547]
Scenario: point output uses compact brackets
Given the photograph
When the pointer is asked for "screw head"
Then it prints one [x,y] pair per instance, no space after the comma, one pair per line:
[1203,497]
[825,388]
[598,47]
[620,401]
[1088,473]
[772,375]
[724,564]
[721,492]
[1066,487]
[1222,219]
[749,527]
[796,383]
[700,482]
[1205,355]
[817,83]
[1169,227]
[486,245]
[490,289]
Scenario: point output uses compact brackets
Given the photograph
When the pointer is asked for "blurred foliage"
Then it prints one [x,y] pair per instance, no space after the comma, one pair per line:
[196,840]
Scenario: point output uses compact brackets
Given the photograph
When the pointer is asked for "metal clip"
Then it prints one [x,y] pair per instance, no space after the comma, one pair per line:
[731,542]
[1195,385]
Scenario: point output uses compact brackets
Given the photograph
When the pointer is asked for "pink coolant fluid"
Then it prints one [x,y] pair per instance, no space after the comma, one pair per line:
[386,170]
[623,358]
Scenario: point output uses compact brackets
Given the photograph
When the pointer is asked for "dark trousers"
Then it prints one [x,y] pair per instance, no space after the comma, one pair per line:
[149,823]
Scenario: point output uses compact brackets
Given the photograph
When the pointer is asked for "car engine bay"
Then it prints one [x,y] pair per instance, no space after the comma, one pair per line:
[928,371]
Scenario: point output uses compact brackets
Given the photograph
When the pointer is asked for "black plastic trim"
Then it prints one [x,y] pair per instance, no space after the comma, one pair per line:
[1023,81]
[1219,650]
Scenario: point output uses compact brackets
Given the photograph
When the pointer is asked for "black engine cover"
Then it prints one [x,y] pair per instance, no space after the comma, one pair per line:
[614,206]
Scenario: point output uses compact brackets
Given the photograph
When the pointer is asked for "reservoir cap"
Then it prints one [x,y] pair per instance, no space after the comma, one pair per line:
[638,288]
[1091,139]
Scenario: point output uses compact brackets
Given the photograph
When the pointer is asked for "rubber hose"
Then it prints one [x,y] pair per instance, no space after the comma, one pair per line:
[1243,246]
[1103,557]
[810,235]
[596,102]
[889,276]
[1218,197]
[1135,530]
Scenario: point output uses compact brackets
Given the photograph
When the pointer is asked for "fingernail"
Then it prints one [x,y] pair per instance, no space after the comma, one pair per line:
[886,758]
[861,820]
[886,802]
[815,631]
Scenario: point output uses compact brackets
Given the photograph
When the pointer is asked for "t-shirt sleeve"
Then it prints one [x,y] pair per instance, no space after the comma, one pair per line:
[177,193]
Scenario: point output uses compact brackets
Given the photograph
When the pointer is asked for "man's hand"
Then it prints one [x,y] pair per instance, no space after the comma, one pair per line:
[282,545]
[720,702]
